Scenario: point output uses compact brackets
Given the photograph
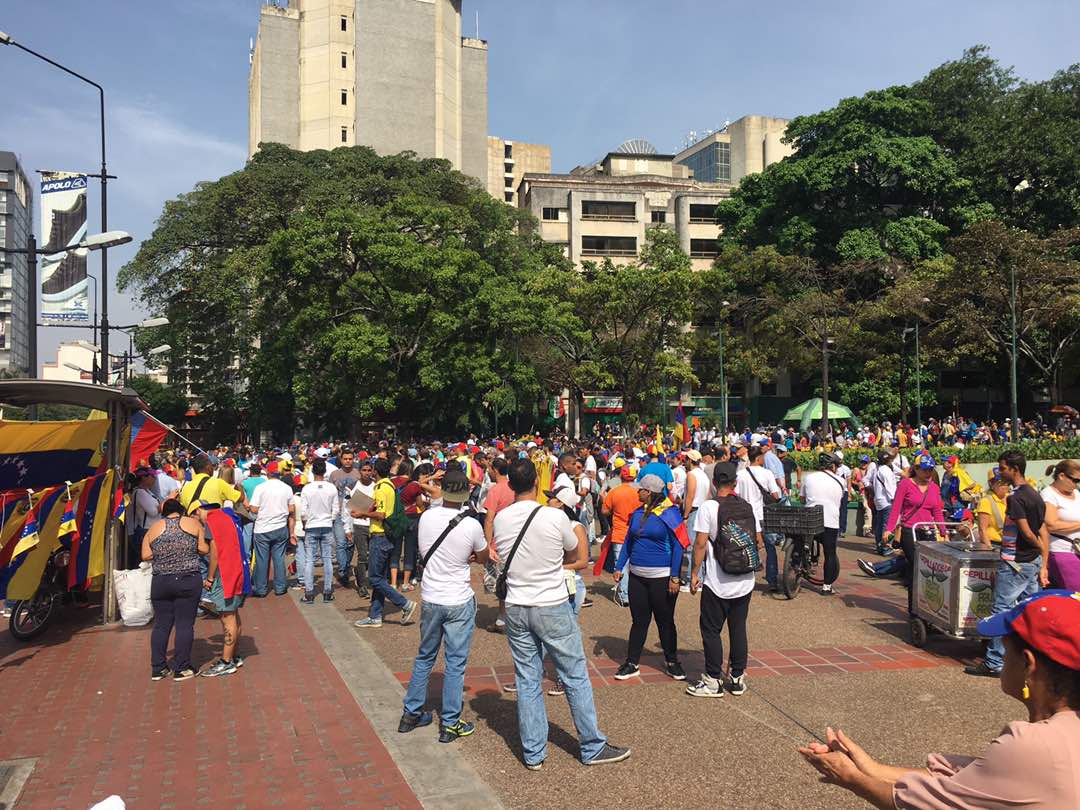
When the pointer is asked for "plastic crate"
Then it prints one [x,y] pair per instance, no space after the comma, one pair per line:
[796,520]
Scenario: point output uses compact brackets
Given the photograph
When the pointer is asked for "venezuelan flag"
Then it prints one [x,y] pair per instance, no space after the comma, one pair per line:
[24,574]
[91,517]
[682,435]
[147,434]
[68,526]
[659,441]
[35,455]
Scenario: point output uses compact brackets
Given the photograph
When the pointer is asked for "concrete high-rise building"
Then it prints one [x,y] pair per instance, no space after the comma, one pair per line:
[394,75]
[742,147]
[16,287]
[509,161]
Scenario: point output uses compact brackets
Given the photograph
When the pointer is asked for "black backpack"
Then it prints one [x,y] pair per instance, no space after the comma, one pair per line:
[735,544]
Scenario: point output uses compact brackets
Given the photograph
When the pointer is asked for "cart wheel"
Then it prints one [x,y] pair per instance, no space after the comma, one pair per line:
[919,631]
[790,581]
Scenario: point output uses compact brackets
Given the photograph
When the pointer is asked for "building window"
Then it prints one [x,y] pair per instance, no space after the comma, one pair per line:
[344,59]
[344,134]
[508,150]
[703,213]
[609,246]
[659,216]
[768,389]
[344,23]
[508,182]
[508,168]
[5,176]
[618,211]
[3,202]
[703,248]
[554,214]
[508,196]
[344,97]
[711,164]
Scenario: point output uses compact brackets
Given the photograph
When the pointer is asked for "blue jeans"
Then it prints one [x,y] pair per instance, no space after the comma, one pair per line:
[318,541]
[890,565]
[452,627]
[881,517]
[379,550]
[270,546]
[578,598]
[843,515]
[772,540]
[1009,588]
[532,631]
[343,547]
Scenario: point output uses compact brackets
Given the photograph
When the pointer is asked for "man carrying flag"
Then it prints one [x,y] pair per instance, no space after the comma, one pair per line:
[228,581]
[681,435]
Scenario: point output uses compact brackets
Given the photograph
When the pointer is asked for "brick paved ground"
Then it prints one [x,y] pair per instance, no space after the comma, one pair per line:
[283,732]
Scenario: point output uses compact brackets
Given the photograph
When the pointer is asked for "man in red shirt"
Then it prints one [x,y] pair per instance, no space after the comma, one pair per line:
[619,504]
[498,497]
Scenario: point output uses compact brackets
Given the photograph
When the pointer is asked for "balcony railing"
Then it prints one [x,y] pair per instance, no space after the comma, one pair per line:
[610,217]
[607,252]
[703,254]
[703,221]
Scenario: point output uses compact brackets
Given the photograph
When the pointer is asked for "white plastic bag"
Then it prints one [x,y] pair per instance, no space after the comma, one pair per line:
[133,594]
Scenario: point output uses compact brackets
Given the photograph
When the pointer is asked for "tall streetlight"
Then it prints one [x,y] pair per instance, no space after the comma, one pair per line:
[918,373]
[723,381]
[5,39]
[1013,409]
[826,342]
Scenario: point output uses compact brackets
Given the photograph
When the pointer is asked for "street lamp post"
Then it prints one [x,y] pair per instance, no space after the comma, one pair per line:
[918,373]
[5,39]
[723,380]
[1013,407]
[825,341]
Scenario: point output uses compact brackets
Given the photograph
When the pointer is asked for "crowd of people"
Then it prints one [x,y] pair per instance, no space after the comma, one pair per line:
[533,513]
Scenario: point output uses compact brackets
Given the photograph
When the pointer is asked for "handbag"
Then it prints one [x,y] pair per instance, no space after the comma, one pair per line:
[500,583]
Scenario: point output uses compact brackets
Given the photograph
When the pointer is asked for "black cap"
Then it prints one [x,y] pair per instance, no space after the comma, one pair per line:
[724,473]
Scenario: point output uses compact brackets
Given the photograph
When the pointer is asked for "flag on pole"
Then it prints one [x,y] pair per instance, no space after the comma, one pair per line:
[682,435]
[147,434]
[659,441]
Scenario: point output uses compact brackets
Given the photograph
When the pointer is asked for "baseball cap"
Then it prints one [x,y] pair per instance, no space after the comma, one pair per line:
[627,473]
[724,472]
[455,485]
[1048,622]
[323,452]
[693,455]
[652,483]
[619,463]
[565,495]
[926,463]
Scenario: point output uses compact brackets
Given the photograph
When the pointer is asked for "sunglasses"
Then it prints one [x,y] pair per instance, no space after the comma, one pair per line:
[1074,480]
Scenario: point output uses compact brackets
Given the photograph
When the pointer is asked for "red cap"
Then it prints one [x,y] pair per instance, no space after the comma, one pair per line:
[1051,625]
[461,447]
[363,454]
[626,473]
[272,468]
[474,450]
[500,445]
[953,459]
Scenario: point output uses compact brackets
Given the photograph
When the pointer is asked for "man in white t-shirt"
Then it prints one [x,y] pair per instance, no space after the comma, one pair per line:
[843,472]
[824,488]
[272,504]
[539,619]
[725,598]
[754,485]
[448,613]
[884,483]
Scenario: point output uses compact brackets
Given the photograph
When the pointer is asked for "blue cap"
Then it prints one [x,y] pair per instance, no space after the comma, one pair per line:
[864,459]
[927,463]
[1000,624]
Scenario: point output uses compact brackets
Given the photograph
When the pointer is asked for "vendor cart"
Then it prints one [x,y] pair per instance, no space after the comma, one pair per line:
[954,588]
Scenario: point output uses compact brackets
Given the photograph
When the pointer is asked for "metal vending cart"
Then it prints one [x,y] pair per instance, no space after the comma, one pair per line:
[954,588]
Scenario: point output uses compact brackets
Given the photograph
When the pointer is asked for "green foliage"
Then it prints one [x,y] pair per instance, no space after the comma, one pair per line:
[164,402]
[975,454]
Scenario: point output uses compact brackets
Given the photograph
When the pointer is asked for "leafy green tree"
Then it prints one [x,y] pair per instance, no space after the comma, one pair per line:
[164,402]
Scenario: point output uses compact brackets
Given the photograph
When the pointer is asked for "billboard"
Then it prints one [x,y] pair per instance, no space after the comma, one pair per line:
[64,286]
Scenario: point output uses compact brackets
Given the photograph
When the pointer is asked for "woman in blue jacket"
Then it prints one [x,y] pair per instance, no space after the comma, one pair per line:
[654,550]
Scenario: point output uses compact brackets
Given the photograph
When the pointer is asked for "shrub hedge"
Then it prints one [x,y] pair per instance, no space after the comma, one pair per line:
[976,454]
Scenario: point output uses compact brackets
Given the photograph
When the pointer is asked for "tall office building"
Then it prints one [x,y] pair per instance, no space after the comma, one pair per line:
[16,224]
[742,147]
[394,75]
[509,162]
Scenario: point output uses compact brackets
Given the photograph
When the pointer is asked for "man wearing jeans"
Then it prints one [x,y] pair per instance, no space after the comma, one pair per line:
[449,607]
[344,478]
[539,619]
[379,550]
[1025,543]
[319,505]
[271,501]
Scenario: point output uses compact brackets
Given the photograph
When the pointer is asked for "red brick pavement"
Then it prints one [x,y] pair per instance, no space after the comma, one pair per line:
[282,732]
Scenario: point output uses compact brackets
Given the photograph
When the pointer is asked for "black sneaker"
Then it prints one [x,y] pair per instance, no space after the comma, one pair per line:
[328,596]
[610,755]
[409,722]
[675,670]
[982,670]
[737,686]
[159,674]
[627,670]
[586,602]
[308,598]
[462,728]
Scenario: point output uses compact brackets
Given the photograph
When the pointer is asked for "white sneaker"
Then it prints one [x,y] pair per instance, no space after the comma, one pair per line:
[826,590]
[706,688]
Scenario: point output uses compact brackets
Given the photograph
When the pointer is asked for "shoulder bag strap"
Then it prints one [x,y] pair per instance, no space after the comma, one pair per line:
[911,514]
[766,496]
[438,541]
[520,537]
[198,491]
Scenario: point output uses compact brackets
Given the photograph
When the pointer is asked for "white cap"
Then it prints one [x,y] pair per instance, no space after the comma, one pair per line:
[565,495]
[323,452]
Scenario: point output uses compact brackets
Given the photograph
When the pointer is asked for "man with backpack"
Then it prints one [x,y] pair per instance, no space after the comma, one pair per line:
[387,516]
[727,542]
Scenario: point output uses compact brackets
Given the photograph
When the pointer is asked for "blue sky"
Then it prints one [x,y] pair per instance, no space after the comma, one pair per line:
[581,76]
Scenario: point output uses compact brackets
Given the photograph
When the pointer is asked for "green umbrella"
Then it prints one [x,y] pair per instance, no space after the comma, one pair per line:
[810,411]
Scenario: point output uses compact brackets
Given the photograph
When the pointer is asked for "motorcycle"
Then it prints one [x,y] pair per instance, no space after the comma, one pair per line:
[30,617]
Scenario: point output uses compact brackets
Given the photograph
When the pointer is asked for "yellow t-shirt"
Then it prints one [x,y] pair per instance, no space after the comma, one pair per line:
[215,491]
[987,505]
[384,502]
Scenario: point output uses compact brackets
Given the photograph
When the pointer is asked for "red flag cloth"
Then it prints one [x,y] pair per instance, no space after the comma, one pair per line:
[599,566]
[229,556]
[147,434]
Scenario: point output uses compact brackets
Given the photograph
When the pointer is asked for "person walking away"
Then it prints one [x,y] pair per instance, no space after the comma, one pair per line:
[725,598]
[448,541]
[1025,542]
[271,501]
[498,498]
[413,498]
[254,478]
[144,513]
[884,487]
[534,543]
[757,486]
[697,492]
[620,503]
[379,553]
[344,479]
[174,545]
[843,472]
[1063,524]
[228,581]
[203,486]
[858,491]
[653,550]
[824,488]
[320,505]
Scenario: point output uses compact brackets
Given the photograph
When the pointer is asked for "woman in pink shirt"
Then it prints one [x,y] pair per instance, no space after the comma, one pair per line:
[918,500]
[1033,765]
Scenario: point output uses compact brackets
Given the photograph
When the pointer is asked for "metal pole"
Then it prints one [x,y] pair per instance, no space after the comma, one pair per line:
[31,275]
[1012,358]
[723,385]
[824,386]
[918,382]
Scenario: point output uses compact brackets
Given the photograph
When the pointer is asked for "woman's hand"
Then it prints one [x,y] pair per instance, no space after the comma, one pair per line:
[835,767]
[617,576]
[695,582]
[838,741]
